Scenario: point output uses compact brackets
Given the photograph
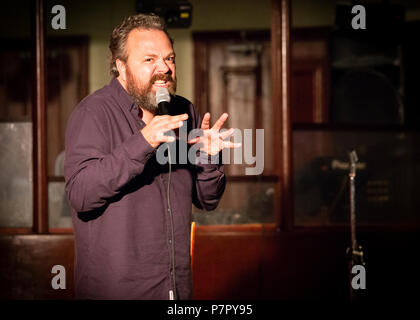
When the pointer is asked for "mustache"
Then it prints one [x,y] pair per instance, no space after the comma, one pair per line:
[161,76]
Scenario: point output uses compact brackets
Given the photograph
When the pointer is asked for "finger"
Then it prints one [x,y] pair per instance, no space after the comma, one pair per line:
[205,124]
[231,145]
[173,125]
[160,137]
[171,122]
[226,134]
[167,139]
[180,117]
[219,123]
[193,141]
[159,119]
[166,119]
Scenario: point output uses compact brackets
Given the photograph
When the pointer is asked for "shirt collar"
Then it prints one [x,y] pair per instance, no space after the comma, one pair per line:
[122,95]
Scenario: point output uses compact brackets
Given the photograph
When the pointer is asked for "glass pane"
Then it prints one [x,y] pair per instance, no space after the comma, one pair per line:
[387,177]
[16,92]
[58,206]
[242,202]
[16,207]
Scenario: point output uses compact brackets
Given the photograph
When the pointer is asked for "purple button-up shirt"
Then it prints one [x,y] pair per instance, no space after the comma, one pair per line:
[129,244]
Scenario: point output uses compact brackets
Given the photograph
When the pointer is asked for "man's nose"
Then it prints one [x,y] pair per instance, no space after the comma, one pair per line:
[162,67]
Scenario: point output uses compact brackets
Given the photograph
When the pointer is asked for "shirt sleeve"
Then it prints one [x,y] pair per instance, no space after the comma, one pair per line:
[210,178]
[94,174]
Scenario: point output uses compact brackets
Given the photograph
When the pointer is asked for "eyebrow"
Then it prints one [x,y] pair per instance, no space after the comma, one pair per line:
[154,55]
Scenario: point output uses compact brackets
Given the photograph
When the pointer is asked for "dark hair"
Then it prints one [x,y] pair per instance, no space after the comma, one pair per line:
[118,41]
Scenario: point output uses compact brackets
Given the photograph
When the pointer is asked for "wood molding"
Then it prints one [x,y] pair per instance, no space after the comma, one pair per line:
[12,231]
[280,46]
[61,230]
[258,178]
[40,195]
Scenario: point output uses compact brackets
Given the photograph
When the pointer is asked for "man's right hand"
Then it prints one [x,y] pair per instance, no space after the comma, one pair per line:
[154,131]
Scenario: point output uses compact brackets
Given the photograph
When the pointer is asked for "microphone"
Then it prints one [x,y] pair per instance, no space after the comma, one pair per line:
[162,99]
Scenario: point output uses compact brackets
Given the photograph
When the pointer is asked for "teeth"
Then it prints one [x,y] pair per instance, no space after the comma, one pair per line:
[160,82]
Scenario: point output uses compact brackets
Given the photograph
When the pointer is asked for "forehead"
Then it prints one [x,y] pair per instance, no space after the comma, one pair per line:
[144,41]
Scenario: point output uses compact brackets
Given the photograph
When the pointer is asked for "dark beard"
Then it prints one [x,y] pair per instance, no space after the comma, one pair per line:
[143,96]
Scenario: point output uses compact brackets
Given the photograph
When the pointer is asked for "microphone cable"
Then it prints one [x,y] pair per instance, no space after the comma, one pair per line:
[174,294]
[163,99]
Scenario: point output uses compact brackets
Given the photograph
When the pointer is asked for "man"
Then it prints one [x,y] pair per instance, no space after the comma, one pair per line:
[132,233]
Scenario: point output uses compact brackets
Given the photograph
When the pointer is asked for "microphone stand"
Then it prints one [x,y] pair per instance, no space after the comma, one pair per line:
[354,252]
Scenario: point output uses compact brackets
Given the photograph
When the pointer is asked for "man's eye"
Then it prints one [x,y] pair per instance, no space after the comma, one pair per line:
[171,59]
[148,59]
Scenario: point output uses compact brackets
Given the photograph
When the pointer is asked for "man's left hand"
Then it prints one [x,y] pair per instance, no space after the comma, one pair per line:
[212,140]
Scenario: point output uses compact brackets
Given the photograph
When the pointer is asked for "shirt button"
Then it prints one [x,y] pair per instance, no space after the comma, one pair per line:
[170,241]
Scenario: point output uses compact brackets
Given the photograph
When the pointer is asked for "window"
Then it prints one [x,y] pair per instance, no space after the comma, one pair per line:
[354,91]
[233,75]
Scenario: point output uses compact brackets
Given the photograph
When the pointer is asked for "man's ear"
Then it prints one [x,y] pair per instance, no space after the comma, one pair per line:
[121,67]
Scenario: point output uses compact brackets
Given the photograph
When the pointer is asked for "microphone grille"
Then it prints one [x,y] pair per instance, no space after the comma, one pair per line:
[162,95]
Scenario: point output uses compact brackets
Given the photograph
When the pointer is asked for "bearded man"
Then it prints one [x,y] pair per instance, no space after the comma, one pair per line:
[132,215]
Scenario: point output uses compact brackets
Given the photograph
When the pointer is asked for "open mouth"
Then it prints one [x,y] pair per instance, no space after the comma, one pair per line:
[161,83]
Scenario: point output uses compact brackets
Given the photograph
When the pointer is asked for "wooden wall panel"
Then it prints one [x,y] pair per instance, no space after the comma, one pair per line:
[26,262]
[304,265]
[264,264]
[227,262]
[301,264]
[240,262]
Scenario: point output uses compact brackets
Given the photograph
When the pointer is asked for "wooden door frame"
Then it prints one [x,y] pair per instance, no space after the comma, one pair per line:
[40,195]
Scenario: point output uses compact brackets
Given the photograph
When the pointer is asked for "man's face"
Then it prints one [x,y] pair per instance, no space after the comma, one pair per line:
[150,65]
